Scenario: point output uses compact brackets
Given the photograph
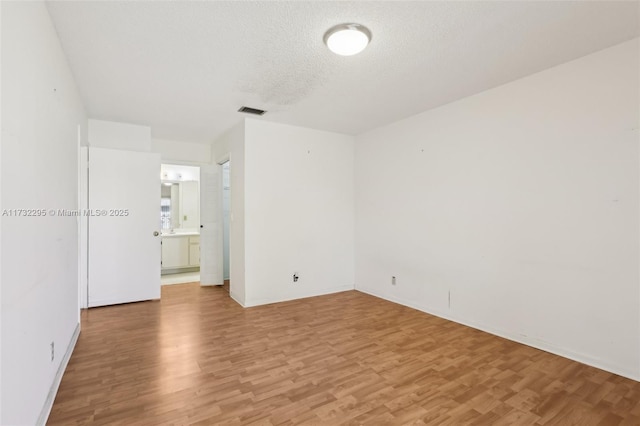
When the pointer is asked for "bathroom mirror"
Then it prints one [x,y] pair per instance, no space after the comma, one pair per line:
[179,206]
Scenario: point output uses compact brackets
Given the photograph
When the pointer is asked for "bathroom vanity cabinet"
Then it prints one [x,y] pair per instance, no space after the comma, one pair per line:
[180,251]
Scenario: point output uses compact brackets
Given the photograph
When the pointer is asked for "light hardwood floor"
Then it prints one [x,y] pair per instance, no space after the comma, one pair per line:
[196,357]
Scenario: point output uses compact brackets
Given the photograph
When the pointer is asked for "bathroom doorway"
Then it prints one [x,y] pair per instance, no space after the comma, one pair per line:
[180,223]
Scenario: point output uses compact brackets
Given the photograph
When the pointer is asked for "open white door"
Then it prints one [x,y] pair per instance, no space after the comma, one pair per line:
[124,222]
[210,223]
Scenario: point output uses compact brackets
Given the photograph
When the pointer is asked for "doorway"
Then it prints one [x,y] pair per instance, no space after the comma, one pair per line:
[180,223]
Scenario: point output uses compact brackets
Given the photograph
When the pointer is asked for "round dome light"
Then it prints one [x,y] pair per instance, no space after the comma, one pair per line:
[347,39]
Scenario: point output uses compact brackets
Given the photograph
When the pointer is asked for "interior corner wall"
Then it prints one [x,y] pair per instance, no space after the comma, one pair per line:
[232,146]
[515,211]
[298,194]
[41,112]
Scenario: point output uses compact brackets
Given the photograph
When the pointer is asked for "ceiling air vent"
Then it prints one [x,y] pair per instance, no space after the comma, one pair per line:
[254,111]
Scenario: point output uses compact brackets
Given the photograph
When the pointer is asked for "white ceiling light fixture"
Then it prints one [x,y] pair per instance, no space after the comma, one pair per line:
[347,39]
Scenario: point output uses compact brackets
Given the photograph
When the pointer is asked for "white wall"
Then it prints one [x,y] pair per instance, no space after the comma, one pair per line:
[231,146]
[299,212]
[515,211]
[182,152]
[133,137]
[179,172]
[123,136]
[41,111]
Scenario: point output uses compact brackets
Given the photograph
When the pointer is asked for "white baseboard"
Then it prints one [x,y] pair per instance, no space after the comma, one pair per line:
[48,403]
[237,299]
[534,343]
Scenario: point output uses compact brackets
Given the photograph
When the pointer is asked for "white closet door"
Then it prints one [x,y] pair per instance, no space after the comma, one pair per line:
[124,248]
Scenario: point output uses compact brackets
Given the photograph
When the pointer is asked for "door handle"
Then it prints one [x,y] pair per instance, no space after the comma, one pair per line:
[156,233]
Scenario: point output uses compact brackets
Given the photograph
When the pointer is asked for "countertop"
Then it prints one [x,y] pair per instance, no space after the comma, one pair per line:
[179,234]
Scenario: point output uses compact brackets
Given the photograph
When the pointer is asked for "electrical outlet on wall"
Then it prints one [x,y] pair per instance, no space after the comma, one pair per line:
[53,351]
[296,277]
[393,280]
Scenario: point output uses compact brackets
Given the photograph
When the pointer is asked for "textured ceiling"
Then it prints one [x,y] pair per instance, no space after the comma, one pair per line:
[184,68]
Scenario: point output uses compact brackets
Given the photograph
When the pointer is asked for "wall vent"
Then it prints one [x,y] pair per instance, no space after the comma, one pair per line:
[254,111]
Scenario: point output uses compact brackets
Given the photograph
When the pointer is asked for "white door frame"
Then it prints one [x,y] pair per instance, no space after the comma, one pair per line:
[83,226]
[225,233]
[220,162]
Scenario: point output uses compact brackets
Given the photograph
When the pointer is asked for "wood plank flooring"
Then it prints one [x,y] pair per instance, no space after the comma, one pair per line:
[196,357]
